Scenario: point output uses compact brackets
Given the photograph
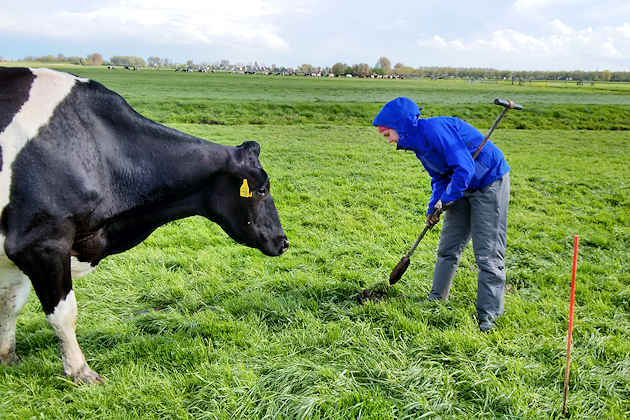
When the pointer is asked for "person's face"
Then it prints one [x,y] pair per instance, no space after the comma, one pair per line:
[391,135]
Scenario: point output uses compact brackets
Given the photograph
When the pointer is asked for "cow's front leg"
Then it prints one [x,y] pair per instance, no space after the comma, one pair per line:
[64,321]
[14,289]
[44,256]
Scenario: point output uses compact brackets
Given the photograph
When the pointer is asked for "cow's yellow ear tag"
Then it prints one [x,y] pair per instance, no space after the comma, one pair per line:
[245,189]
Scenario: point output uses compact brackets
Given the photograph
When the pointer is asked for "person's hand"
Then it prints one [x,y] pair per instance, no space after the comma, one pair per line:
[442,207]
[433,219]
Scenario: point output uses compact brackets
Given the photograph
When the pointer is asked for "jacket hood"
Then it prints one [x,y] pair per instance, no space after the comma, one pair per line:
[401,114]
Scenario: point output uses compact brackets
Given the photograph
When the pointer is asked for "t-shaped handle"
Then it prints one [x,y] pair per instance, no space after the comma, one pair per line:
[508,104]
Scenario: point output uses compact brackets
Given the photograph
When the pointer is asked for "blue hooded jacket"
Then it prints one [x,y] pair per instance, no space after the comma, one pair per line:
[445,146]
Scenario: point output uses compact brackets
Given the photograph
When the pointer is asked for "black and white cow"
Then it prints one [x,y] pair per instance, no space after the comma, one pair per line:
[83,176]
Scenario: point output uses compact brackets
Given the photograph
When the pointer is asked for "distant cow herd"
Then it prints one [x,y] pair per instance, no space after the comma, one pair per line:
[125,67]
[265,73]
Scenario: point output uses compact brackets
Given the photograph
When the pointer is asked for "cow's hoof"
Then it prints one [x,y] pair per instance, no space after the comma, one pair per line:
[87,376]
[7,359]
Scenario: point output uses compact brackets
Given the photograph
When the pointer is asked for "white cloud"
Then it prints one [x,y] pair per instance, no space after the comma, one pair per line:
[624,30]
[558,40]
[558,28]
[541,33]
[527,6]
[234,23]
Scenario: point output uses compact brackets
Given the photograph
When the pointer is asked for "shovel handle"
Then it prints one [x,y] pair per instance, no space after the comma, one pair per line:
[508,104]
[419,238]
[415,244]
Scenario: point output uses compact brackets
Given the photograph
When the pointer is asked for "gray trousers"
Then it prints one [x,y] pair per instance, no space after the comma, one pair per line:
[482,216]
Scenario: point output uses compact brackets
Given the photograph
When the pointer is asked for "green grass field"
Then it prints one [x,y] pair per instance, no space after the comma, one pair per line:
[191,325]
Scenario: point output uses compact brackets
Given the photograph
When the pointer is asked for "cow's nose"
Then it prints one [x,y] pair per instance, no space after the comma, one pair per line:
[285,245]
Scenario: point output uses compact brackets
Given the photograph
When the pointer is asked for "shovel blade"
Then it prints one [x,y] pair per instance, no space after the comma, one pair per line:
[399,270]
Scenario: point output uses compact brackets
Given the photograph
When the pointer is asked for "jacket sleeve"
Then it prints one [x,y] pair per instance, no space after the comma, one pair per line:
[439,182]
[438,185]
[461,165]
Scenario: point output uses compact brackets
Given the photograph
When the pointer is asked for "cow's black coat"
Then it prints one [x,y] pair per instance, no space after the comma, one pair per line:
[98,178]
[16,83]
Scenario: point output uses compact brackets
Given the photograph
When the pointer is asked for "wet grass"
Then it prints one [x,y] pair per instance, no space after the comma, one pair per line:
[191,325]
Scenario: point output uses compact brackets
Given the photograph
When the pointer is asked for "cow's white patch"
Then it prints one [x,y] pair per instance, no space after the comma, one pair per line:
[14,289]
[80,269]
[64,321]
[48,89]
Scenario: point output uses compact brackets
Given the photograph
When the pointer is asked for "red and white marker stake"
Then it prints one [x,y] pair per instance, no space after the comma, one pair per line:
[566,376]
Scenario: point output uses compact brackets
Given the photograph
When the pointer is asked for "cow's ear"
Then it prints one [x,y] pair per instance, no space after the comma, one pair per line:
[250,179]
[247,154]
[251,147]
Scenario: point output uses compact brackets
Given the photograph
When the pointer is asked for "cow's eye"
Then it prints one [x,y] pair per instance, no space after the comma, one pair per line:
[262,192]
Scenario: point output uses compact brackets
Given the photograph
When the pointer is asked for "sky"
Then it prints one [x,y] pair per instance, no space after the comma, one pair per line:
[548,35]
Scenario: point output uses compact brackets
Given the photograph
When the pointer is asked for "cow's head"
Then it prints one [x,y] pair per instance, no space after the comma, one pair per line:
[242,205]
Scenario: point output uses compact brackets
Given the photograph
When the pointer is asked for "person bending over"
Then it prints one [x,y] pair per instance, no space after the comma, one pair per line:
[472,194]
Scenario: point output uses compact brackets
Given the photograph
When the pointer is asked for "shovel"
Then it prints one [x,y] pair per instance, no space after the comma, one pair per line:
[401,267]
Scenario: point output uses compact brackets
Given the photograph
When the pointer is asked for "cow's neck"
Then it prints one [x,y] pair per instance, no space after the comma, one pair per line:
[129,229]
[171,165]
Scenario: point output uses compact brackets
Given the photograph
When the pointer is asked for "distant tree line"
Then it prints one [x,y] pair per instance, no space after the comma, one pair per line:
[487,73]
[382,67]
[95,59]
[127,60]
[160,62]
[91,60]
